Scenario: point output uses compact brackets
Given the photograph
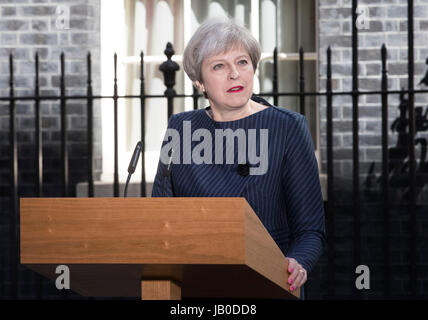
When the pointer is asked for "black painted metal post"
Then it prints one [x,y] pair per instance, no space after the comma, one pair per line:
[143,127]
[90,126]
[275,76]
[38,125]
[14,188]
[169,69]
[330,181]
[302,82]
[64,147]
[195,96]
[355,146]
[385,176]
[116,140]
[64,151]
[38,156]
[411,151]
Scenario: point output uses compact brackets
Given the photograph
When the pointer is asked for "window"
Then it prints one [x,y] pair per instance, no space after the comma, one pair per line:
[150,24]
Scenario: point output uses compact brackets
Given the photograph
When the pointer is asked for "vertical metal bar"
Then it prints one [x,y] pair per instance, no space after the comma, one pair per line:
[302,82]
[38,125]
[14,188]
[355,146]
[116,155]
[170,106]
[143,127]
[195,98]
[64,151]
[385,175]
[411,148]
[90,125]
[330,180]
[64,147]
[275,77]
[38,156]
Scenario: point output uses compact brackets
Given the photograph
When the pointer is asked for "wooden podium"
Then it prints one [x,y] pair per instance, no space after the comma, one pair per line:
[154,248]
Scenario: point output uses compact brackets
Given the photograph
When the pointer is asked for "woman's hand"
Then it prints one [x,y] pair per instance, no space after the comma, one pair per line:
[298,274]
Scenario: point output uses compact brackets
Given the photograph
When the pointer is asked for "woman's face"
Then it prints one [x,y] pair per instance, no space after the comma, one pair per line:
[228,79]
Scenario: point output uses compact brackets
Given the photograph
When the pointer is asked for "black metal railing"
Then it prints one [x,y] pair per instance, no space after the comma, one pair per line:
[385,186]
[411,147]
[169,69]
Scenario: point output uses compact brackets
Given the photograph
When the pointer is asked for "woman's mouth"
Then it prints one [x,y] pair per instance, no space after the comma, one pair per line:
[236,89]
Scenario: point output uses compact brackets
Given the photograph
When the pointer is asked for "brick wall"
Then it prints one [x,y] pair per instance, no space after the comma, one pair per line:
[388,25]
[27,27]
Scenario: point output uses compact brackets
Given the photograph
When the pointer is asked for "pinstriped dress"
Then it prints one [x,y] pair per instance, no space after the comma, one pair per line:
[286,198]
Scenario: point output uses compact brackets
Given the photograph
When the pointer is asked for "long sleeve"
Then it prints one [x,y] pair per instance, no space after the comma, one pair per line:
[304,204]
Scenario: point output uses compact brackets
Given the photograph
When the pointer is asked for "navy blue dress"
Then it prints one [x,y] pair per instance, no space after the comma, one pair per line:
[286,198]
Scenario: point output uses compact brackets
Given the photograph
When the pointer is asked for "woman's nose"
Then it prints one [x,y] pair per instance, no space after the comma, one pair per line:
[233,73]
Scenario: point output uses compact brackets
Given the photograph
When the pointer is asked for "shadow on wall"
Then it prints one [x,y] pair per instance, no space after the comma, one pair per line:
[398,167]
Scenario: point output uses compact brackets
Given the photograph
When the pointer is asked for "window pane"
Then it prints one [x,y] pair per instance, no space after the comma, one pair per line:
[268,25]
[239,10]
[297,26]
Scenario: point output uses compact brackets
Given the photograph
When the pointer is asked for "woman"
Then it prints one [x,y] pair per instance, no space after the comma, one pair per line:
[283,188]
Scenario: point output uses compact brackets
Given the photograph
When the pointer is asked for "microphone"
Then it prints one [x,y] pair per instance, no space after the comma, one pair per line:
[167,171]
[243,169]
[133,164]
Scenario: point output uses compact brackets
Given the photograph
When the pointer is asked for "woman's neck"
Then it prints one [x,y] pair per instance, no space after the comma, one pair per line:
[232,114]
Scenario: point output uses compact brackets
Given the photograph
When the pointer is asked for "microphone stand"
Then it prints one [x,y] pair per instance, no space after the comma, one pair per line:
[133,164]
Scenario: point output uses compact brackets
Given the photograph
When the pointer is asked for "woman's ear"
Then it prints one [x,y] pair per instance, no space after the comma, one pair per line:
[199,86]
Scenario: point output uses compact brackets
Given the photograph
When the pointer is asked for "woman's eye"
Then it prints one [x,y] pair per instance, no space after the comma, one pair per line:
[243,62]
[217,66]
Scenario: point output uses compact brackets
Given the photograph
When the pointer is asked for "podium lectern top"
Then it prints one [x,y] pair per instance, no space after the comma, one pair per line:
[208,246]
